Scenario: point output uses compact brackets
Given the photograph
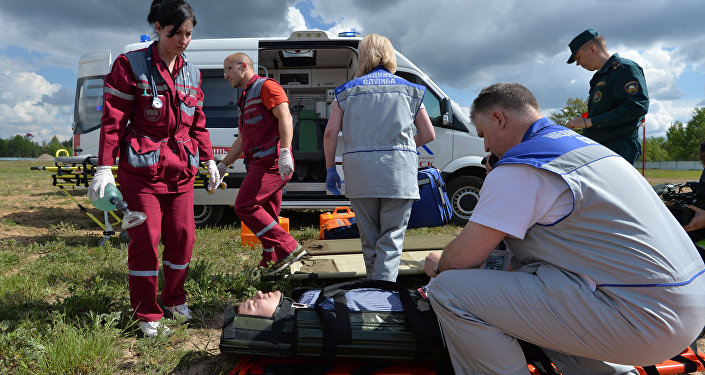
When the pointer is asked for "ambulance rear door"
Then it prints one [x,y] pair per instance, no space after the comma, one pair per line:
[220,107]
[88,105]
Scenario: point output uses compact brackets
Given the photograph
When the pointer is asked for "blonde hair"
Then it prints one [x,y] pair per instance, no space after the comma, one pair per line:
[375,50]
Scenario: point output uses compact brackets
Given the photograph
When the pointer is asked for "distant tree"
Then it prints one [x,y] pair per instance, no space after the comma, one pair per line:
[676,143]
[683,140]
[575,107]
[53,146]
[20,146]
[655,150]
[23,146]
[67,144]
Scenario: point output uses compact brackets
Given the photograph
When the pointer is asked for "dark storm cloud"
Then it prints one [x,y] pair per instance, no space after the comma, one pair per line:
[70,28]
[215,18]
[473,44]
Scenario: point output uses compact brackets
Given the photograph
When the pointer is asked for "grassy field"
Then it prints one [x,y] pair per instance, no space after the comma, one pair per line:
[64,304]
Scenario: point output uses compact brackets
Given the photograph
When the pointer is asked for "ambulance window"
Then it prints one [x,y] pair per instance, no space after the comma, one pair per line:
[89,104]
[433,107]
[430,100]
[220,100]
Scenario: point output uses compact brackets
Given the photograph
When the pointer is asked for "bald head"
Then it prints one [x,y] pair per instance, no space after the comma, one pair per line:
[238,69]
[239,57]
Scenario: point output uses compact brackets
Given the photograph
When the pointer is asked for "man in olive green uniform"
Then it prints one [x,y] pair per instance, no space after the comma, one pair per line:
[618,97]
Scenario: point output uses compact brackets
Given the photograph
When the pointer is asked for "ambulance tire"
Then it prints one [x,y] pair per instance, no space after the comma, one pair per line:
[463,192]
[207,215]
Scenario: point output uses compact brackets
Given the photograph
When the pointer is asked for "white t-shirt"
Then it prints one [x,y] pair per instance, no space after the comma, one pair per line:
[516,196]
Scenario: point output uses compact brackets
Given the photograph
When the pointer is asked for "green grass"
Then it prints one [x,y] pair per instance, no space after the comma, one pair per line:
[675,175]
[64,301]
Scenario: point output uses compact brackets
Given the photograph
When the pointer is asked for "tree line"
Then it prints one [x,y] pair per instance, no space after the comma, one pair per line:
[24,147]
[681,142]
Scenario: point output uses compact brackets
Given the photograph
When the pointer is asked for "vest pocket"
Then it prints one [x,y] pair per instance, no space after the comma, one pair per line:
[142,154]
[191,153]
[188,109]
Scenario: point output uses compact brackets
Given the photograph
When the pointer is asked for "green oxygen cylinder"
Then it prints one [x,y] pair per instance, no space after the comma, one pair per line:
[110,199]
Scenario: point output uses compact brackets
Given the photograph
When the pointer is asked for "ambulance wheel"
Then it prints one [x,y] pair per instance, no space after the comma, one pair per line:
[207,215]
[463,192]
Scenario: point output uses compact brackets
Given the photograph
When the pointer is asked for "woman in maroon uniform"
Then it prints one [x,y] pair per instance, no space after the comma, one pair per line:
[153,118]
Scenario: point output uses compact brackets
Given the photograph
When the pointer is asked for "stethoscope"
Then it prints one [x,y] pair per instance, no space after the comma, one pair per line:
[156,102]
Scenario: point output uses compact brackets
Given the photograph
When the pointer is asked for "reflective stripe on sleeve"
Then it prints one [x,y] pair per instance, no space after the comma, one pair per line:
[119,94]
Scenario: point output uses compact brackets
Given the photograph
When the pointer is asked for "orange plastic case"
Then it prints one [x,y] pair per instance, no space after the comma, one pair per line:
[247,238]
[338,213]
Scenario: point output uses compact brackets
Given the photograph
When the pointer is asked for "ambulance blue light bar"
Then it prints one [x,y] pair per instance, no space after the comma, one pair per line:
[145,38]
[350,34]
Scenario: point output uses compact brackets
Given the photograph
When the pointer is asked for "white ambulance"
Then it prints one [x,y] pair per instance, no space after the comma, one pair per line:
[309,65]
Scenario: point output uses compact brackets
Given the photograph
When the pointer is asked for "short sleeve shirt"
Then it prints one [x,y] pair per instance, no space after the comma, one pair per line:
[514,197]
[272,94]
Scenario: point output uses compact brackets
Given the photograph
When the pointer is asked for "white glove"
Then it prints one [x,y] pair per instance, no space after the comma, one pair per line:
[213,175]
[286,163]
[222,169]
[102,177]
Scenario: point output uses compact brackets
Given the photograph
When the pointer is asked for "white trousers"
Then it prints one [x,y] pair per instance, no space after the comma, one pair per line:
[382,223]
[482,312]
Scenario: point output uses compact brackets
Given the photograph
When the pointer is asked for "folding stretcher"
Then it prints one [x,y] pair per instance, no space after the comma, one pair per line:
[335,340]
[77,171]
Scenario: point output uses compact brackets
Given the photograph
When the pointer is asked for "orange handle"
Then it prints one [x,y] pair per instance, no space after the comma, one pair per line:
[342,208]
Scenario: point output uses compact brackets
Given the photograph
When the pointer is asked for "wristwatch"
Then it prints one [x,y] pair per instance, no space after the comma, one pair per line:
[437,268]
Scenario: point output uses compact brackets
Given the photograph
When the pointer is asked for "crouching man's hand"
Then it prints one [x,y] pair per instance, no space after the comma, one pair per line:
[432,260]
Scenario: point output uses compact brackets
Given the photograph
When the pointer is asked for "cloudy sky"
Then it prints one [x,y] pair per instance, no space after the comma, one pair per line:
[462,45]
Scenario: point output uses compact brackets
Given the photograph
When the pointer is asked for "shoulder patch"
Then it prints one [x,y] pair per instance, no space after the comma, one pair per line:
[597,97]
[631,87]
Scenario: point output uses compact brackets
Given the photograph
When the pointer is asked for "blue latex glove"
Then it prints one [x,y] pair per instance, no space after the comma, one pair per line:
[332,180]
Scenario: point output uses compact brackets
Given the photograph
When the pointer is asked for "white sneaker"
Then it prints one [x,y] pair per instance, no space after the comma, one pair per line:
[153,329]
[179,312]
